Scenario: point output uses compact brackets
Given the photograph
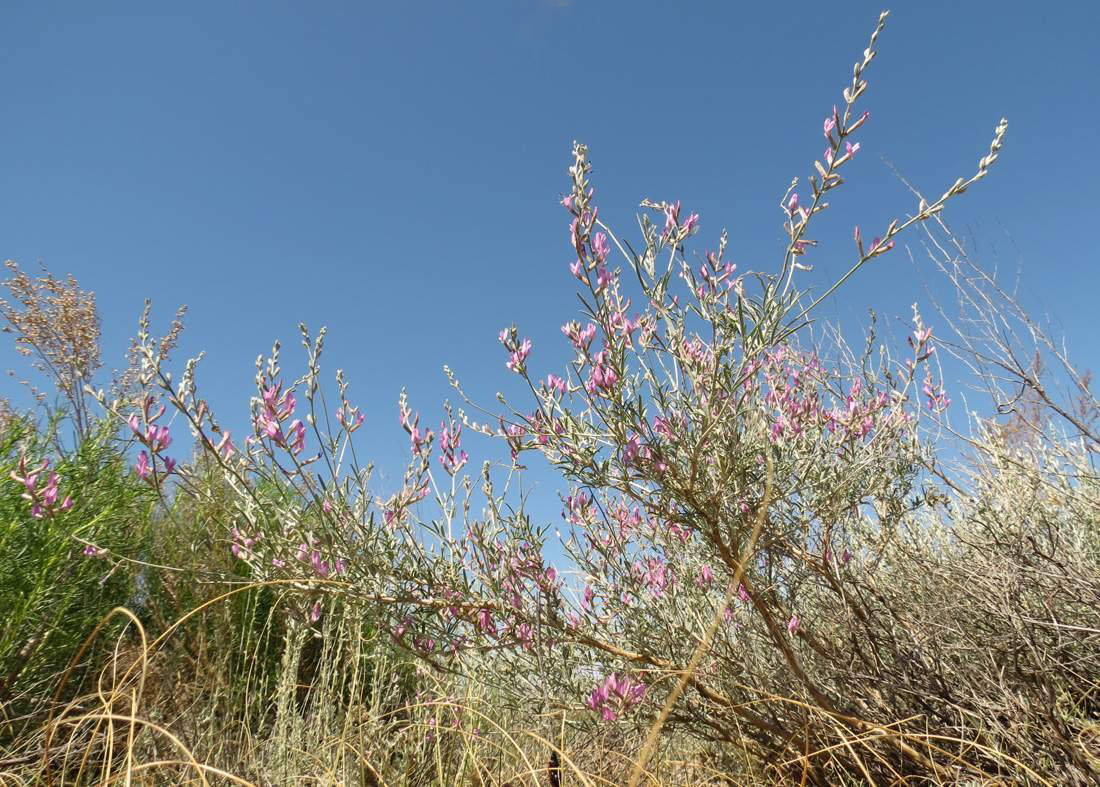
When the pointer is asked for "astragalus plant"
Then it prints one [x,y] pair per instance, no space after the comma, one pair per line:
[769,552]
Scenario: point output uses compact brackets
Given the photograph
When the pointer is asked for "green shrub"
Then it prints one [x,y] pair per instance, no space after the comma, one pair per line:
[61,572]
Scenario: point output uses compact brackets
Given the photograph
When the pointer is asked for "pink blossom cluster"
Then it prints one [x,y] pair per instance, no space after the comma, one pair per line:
[309,554]
[614,696]
[793,392]
[923,349]
[580,337]
[626,326]
[349,417]
[675,232]
[653,573]
[242,543]
[603,376]
[276,406]
[451,455]
[419,440]
[713,274]
[857,418]
[517,350]
[154,437]
[578,508]
[938,400]
[43,498]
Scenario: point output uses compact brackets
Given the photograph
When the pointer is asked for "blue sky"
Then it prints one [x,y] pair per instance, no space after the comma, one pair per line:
[393,170]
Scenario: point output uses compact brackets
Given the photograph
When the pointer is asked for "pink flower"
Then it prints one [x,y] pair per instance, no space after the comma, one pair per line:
[158,438]
[603,376]
[615,695]
[320,567]
[485,622]
[417,439]
[49,492]
[632,450]
[517,361]
[672,218]
[451,455]
[793,624]
[225,445]
[525,635]
[241,547]
[938,400]
[286,407]
[706,575]
[142,466]
[875,246]
[269,427]
[662,427]
[297,436]
[603,278]
[600,246]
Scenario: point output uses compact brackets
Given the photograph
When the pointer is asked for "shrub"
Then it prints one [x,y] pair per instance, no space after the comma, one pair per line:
[778,558]
[72,524]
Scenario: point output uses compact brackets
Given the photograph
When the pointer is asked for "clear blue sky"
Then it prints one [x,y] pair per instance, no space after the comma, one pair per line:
[392,170]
